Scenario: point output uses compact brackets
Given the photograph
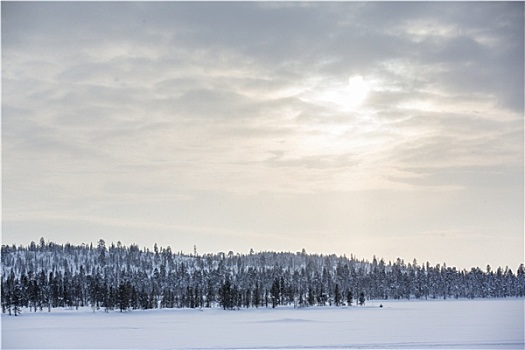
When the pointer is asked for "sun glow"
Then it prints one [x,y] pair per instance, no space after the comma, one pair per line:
[341,97]
[358,90]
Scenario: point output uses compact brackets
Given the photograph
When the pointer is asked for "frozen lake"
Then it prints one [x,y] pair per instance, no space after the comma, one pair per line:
[439,324]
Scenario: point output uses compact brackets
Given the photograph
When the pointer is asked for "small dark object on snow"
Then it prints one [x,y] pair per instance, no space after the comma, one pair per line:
[380,305]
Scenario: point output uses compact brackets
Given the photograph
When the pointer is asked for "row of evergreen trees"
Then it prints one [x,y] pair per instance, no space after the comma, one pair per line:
[47,275]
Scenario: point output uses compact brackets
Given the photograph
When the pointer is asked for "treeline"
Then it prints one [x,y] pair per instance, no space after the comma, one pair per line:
[48,275]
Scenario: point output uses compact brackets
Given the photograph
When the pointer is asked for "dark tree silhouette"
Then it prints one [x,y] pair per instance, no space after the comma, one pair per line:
[49,275]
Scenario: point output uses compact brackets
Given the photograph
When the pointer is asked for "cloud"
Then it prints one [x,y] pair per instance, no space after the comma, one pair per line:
[112,103]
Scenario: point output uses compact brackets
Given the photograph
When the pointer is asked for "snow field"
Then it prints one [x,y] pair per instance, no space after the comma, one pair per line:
[438,324]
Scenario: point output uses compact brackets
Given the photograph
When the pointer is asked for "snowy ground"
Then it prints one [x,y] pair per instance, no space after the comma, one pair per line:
[463,324]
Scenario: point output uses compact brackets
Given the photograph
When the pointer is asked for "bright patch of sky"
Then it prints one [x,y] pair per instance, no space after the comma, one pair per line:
[393,129]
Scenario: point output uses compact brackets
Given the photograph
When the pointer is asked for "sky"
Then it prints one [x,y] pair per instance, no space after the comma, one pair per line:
[392,129]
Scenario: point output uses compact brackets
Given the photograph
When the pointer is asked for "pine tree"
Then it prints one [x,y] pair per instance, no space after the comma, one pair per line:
[275,291]
[349,297]
[225,295]
[311,296]
[209,294]
[124,296]
[361,299]
[256,295]
[337,295]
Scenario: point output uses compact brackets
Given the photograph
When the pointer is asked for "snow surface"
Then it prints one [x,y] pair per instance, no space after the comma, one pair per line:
[438,324]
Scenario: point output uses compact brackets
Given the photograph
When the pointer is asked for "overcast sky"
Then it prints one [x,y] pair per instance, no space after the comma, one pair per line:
[387,129]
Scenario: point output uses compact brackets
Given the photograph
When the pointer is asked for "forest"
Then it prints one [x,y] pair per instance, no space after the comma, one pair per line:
[47,275]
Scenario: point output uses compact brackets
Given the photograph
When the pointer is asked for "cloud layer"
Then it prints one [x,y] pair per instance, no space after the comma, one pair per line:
[134,112]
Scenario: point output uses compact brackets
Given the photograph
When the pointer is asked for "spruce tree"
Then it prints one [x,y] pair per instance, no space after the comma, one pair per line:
[337,295]
[349,297]
[275,291]
[361,298]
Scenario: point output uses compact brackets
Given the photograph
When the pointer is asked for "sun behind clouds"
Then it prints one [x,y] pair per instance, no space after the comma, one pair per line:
[340,96]
[358,90]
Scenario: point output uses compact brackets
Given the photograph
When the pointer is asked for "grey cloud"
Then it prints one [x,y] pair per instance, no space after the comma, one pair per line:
[275,36]
[325,162]
[284,45]
[459,149]
[119,112]
[478,177]
[209,104]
